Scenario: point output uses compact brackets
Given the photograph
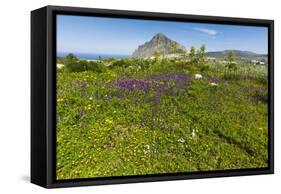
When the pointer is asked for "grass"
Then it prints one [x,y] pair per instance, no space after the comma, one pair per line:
[157,118]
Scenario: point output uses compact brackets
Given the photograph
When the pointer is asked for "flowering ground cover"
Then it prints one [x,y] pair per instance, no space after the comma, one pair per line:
[152,117]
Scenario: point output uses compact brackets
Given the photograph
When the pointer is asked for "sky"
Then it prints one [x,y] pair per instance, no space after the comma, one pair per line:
[100,35]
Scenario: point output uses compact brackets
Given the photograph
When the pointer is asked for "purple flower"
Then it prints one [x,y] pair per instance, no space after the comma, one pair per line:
[132,85]
[161,84]
[213,80]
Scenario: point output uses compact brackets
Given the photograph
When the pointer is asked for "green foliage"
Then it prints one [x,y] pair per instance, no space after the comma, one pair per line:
[73,64]
[123,63]
[201,55]
[157,55]
[103,130]
[96,66]
[70,58]
[232,66]
[231,71]
[231,56]
[174,47]
[60,60]
[192,55]
[198,57]
[184,56]
[204,68]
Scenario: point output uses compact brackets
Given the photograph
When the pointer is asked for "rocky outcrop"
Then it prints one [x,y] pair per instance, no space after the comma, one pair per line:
[159,43]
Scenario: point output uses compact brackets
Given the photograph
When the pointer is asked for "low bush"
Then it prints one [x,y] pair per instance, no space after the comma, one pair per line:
[73,64]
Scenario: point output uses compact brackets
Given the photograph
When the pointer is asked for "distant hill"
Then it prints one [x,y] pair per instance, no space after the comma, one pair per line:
[238,53]
[160,43]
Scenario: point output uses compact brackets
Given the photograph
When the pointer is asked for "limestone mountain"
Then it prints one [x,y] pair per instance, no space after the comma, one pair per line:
[159,43]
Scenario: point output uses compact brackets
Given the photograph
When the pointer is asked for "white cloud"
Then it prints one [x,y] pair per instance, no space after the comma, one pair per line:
[210,32]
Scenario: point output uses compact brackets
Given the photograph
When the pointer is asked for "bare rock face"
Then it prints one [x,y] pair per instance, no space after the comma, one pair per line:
[159,43]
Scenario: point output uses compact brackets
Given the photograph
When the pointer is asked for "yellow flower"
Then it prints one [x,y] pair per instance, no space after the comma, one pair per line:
[60,100]
[109,121]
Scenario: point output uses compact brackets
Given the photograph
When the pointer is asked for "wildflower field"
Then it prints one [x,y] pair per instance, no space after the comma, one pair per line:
[122,117]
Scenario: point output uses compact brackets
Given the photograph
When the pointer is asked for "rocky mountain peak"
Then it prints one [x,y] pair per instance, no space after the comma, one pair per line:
[160,37]
[159,43]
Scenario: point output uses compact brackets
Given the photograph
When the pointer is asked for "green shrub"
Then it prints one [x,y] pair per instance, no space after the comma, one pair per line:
[60,60]
[122,63]
[95,66]
[73,64]
[143,63]
[261,95]
[204,68]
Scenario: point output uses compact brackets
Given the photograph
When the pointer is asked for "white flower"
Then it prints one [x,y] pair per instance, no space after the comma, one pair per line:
[181,140]
[147,149]
[193,133]
[198,76]
[213,84]
[59,66]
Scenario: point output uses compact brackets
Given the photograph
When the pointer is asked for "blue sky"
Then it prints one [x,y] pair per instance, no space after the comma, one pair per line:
[84,34]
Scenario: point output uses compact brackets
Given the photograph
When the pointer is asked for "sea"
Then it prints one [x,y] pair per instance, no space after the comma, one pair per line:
[93,56]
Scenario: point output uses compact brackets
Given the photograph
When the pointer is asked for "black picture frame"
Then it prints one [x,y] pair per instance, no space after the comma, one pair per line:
[43,95]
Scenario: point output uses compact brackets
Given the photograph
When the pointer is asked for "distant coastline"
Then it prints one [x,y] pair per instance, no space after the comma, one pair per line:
[93,56]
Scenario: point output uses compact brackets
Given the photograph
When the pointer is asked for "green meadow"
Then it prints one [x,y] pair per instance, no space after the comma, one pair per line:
[122,117]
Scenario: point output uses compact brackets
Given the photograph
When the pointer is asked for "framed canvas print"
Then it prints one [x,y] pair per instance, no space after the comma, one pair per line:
[125,96]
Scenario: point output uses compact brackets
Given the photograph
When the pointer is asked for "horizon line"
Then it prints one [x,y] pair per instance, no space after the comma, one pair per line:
[128,54]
